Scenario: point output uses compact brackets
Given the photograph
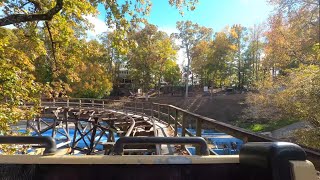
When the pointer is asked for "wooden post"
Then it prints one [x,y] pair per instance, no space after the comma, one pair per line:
[176,123]
[159,112]
[66,118]
[124,107]
[54,102]
[103,104]
[92,103]
[135,106]
[142,109]
[245,139]
[68,102]
[80,103]
[198,133]
[198,127]
[151,110]
[168,116]
[183,133]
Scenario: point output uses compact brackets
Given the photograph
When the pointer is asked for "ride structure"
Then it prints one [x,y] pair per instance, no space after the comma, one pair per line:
[94,138]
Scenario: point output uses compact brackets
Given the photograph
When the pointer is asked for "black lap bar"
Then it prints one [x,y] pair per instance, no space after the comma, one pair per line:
[118,148]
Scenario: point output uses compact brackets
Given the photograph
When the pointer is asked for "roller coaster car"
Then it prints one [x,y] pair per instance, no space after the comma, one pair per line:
[259,161]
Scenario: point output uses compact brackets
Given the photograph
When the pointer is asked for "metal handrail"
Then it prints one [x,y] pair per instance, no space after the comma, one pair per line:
[45,141]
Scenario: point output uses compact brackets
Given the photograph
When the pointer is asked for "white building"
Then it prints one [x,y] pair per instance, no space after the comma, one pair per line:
[124,73]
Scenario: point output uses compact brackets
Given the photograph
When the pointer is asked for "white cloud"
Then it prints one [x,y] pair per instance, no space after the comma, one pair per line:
[181,61]
[99,26]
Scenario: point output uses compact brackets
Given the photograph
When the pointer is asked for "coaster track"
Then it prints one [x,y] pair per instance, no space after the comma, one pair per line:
[150,112]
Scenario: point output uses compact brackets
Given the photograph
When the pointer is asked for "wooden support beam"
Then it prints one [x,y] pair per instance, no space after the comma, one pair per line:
[176,123]
[183,133]
[198,133]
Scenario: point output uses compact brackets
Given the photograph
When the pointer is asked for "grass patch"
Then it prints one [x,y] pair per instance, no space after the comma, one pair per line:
[265,126]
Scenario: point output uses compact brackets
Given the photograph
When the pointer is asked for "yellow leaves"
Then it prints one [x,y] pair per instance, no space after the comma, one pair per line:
[308,137]
[295,95]
[233,33]
[17,86]
[233,47]
[94,82]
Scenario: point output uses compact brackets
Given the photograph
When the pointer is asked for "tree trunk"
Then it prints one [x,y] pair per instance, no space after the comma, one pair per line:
[188,71]
[159,85]
[239,64]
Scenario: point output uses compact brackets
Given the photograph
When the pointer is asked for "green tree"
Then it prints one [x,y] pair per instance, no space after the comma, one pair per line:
[171,72]
[221,60]
[147,60]
[94,80]
[238,38]
[200,60]
[48,50]
[292,55]
[190,34]
[17,83]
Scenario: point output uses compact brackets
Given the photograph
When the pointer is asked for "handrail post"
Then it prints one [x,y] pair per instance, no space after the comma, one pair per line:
[142,109]
[245,139]
[80,103]
[176,123]
[198,133]
[54,102]
[158,112]
[151,110]
[92,103]
[168,116]
[103,104]
[126,107]
[135,106]
[68,102]
[183,133]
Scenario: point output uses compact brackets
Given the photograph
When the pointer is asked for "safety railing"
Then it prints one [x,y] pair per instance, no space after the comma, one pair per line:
[174,117]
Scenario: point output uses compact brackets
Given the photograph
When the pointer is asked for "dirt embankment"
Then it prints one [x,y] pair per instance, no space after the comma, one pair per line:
[221,106]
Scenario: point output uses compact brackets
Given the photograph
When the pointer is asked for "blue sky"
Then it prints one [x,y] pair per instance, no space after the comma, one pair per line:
[212,13]
[215,14]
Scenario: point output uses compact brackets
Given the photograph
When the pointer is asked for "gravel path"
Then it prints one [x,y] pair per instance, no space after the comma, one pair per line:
[288,130]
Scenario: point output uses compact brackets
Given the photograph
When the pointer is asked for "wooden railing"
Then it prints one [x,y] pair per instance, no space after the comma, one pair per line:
[166,113]
[172,116]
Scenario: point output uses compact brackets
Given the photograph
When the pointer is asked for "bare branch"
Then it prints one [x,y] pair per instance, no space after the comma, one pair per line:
[18,18]
[52,47]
